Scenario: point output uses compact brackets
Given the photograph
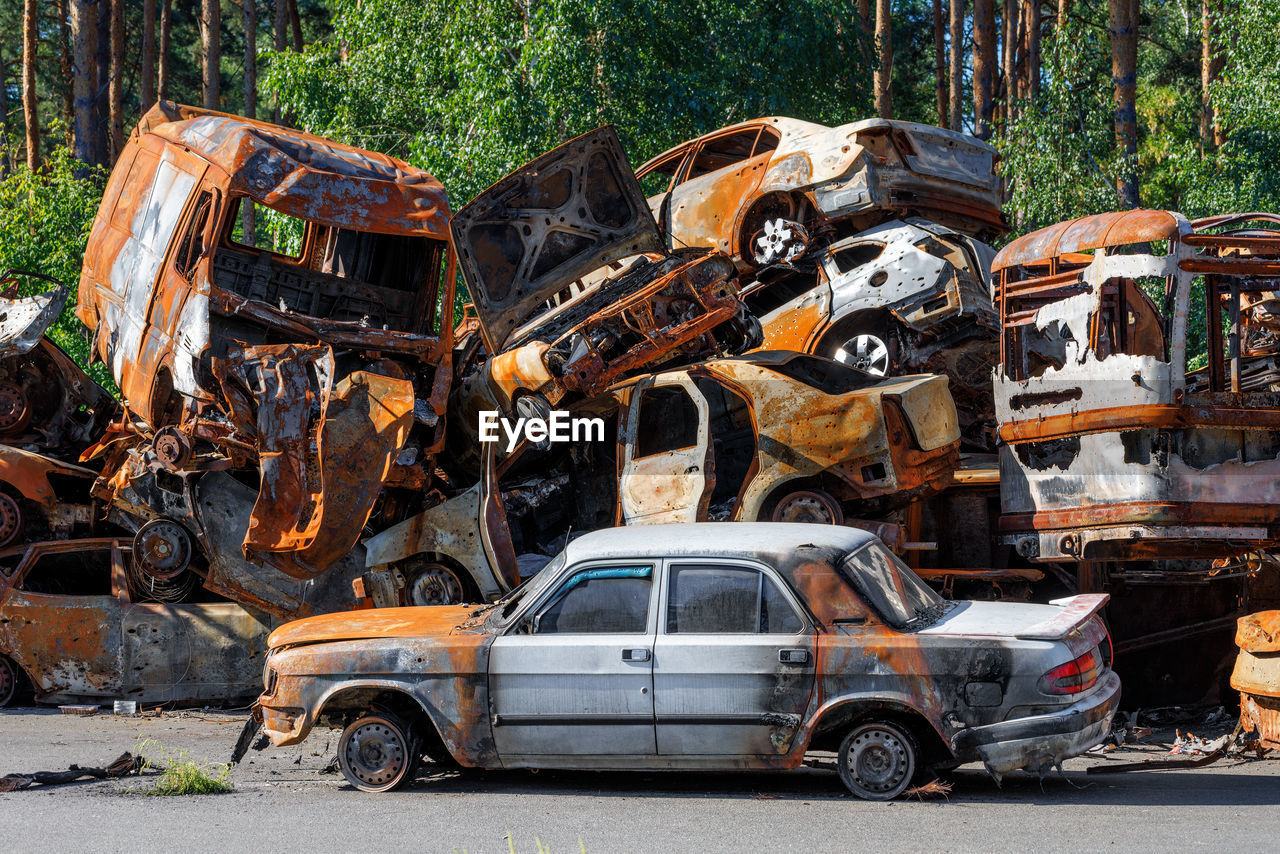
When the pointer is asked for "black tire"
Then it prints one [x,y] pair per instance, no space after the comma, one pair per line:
[377,754]
[878,760]
[11,681]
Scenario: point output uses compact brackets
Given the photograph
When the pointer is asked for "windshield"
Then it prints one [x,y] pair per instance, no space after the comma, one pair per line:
[892,588]
[532,585]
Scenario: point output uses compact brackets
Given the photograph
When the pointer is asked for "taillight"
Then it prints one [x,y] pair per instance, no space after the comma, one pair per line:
[1072,677]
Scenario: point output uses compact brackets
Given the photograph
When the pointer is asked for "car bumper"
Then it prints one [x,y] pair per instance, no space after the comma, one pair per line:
[1042,741]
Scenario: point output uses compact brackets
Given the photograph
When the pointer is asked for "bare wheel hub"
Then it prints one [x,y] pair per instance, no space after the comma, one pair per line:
[808,506]
[15,410]
[866,352]
[163,548]
[374,753]
[880,761]
[436,585]
[172,448]
[10,519]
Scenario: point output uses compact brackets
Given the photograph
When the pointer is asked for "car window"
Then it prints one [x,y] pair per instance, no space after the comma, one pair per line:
[192,246]
[603,600]
[657,178]
[892,588]
[767,141]
[723,152]
[668,421]
[85,572]
[852,257]
[727,600]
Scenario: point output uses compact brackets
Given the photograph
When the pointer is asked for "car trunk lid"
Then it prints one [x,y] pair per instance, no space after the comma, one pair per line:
[1023,620]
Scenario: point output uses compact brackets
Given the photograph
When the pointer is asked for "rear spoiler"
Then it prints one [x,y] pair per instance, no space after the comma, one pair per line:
[1075,612]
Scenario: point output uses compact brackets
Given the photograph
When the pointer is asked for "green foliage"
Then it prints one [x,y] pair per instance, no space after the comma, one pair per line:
[44,226]
[180,774]
[470,91]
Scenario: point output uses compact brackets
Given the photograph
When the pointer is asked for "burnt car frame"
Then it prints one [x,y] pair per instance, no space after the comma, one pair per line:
[767,436]
[326,364]
[720,190]
[561,317]
[1113,449]
[109,641]
[725,646]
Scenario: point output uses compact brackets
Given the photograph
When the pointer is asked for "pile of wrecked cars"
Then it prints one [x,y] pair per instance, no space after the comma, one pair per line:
[777,322]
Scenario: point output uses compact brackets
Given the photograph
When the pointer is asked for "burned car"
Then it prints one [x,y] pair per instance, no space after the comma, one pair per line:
[313,345]
[1113,449]
[77,623]
[769,436]
[560,316]
[712,646]
[757,190]
[908,296]
[48,404]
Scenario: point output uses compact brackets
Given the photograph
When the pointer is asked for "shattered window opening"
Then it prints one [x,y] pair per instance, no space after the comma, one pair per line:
[194,244]
[85,572]
[724,152]
[274,232]
[851,258]
[668,421]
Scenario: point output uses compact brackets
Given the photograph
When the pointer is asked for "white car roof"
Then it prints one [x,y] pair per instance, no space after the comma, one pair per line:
[759,540]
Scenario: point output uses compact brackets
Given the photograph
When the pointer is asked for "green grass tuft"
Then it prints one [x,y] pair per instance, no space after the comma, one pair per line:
[180,774]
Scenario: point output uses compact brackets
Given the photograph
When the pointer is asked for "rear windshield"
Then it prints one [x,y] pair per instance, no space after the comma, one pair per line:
[897,593]
[823,374]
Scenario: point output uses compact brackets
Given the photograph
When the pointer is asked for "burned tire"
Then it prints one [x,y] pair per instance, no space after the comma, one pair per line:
[10,681]
[813,506]
[878,760]
[376,754]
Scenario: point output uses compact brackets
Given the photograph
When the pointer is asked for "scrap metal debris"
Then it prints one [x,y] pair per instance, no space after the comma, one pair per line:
[125,765]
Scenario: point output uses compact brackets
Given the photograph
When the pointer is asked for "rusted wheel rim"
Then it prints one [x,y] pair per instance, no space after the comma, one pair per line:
[8,681]
[866,352]
[436,585]
[163,547]
[808,506]
[374,754]
[878,761]
[10,519]
[15,410]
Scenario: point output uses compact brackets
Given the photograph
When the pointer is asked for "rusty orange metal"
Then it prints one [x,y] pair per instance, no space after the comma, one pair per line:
[232,349]
[1257,674]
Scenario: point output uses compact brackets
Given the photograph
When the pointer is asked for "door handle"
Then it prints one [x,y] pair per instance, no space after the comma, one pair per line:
[793,656]
[635,655]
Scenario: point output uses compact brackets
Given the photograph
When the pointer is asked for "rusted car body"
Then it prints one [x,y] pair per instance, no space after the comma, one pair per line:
[731,189]
[1111,452]
[558,313]
[768,436]
[907,296]
[42,498]
[325,363]
[47,403]
[74,623]
[710,646]
[1257,675]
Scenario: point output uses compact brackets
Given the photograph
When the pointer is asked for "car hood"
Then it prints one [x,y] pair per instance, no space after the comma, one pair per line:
[24,320]
[418,622]
[1019,619]
[559,217]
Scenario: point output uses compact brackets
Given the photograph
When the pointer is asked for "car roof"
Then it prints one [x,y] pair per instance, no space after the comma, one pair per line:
[307,176]
[775,543]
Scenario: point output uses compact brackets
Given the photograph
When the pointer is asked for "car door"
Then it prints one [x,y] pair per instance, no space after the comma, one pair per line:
[722,176]
[733,662]
[666,463]
[573,676]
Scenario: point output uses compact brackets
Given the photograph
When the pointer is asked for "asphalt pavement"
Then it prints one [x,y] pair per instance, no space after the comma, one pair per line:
[287,800]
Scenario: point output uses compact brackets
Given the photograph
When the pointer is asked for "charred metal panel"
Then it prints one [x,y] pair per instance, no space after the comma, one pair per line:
[1257,675]
[554,220]
[1110,452]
